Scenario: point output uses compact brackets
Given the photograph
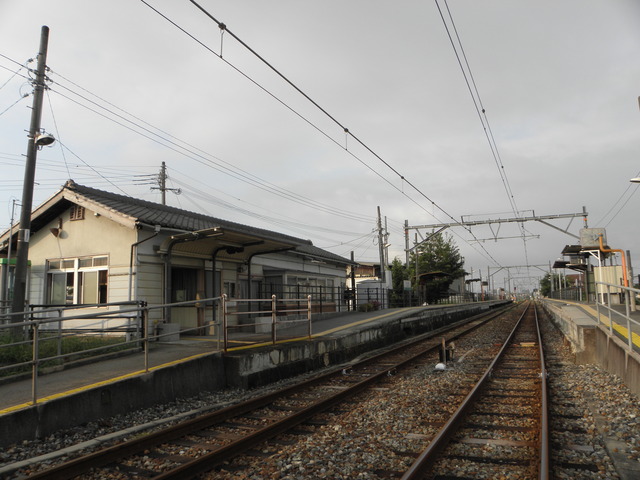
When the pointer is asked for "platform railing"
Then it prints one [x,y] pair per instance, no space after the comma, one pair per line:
[278,312]
[42,339]
[625,318]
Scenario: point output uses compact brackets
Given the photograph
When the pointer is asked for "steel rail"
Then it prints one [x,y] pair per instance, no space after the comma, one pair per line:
[210,460]
[424,462]
[132,447]
[544,409]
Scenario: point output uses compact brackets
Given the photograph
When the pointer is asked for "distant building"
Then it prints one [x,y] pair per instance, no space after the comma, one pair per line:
[369,285]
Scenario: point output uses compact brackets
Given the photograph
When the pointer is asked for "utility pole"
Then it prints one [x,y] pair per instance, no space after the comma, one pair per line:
[386,243]
[381,247]
[6,281]
[22,252]
[352,304]
[162,182]
[406,242]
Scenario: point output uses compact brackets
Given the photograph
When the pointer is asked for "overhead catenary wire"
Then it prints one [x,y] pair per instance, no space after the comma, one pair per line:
[477,101]
[133,116]
[403,179]
[111,183]
[482,115]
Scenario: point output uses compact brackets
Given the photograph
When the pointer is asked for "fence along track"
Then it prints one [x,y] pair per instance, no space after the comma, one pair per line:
[501,426]
[220,435]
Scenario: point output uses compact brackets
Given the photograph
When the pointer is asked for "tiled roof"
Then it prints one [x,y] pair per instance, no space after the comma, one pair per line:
[151,213]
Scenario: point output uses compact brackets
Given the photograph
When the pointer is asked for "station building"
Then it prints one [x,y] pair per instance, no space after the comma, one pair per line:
[90,246]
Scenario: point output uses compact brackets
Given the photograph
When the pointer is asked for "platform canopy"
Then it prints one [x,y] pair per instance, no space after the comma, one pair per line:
[223,243]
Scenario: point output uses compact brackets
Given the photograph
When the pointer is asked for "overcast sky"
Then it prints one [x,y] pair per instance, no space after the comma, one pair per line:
[559,82]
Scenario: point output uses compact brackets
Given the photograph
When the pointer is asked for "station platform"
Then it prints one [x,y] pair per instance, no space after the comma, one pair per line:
[584,313]
[601,338]
[195,364]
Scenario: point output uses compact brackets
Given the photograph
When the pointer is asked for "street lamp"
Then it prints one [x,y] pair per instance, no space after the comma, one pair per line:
[635,180]
[43,139]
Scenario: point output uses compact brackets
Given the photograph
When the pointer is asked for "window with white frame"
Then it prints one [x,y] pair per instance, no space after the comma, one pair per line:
[73,281]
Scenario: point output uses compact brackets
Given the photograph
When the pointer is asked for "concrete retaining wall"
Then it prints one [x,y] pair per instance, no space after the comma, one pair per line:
[613,355]
[159,386]
[264,365]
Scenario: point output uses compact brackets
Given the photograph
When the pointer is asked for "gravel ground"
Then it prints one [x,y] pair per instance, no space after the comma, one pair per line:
[105,432]
[383,428]
[606,427]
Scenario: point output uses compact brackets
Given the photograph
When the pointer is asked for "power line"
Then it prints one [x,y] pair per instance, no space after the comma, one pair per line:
[14,104]
[213,162]
[15,73]
[93,169]
[617,202]
[347,132]
[55,124]
[190,189]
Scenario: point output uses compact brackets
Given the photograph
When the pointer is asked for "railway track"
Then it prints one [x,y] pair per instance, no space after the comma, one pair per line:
[198,445]
[500,430]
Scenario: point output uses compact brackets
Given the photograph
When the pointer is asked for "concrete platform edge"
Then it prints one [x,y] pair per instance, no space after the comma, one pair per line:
[592,344]
[141,391]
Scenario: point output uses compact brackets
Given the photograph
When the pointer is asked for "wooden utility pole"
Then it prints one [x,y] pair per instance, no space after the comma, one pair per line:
[22,252]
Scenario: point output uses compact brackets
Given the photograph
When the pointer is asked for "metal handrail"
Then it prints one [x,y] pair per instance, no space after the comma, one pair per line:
[31,330]
[628,293]
[273,312]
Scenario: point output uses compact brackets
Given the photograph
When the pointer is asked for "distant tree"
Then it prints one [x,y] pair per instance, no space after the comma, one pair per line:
[545,285]
[398,276]
[438,255]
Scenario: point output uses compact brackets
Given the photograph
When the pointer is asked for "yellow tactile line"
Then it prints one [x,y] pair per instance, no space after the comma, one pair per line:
[324,332]
[604,319]
[140,372]
[98,384]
